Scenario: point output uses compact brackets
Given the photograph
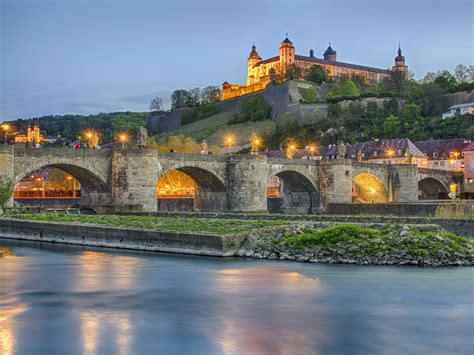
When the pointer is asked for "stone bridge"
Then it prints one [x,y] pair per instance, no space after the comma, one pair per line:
[126,177]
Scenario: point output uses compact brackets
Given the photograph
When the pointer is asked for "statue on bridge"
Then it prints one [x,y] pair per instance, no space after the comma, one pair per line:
[204,148]
[341,150]
[142,137]
[360,155]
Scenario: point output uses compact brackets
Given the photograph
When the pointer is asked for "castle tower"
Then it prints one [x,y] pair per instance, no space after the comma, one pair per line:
[287,52]
[253,73]
[330,54]
[400,65]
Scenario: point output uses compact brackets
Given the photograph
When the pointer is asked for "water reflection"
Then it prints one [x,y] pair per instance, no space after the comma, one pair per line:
[97,269]
[6,252]
[241,326]
[103,272]
[10,308]
[62,300]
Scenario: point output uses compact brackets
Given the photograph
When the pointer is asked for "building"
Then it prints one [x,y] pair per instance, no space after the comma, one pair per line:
[444,154]
[469,168]
[32,135]
[381,151]
[459,110]
[260,71]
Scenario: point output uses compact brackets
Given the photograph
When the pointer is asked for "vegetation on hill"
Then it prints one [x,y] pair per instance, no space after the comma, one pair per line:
[70,127]
[199,113]
[253,109]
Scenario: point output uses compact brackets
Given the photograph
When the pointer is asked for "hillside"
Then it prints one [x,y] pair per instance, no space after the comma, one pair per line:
[302,112]
[69,127]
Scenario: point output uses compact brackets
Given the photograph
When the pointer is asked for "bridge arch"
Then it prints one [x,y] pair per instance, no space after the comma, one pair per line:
[199,189]
[94,190]
[368,188]
[430,188]
[294,192]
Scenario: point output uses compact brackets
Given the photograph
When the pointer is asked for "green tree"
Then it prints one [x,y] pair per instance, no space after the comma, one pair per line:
[6,191]
[253,109]
[179,99]
[294,72]
[317,74]
[445,80]
[156,104]
[391,127]
[346,89]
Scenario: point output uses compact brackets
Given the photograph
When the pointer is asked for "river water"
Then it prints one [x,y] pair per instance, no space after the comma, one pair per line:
[57,299]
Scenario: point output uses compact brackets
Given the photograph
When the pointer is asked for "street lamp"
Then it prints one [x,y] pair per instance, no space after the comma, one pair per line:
[5,127]
[69,178]
[254,145]
[372,192]
[123,139]
[390,154]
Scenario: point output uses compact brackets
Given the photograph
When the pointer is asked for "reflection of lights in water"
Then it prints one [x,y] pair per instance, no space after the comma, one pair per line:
[104,271]
[90,326]
[93,325]
[9,309]
[6,252]
[98,270]
[235,279]
[242,331]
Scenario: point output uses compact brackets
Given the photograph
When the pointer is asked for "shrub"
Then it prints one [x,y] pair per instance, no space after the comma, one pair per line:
[254,109]
[199,113]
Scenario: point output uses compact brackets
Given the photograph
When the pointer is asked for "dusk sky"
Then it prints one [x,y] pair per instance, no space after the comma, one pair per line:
[83,57]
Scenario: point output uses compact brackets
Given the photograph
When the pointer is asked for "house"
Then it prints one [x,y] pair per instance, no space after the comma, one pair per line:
[444,154]
[462,109]
[469,168]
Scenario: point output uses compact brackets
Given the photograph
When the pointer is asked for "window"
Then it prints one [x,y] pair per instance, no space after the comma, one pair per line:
[375,153]
[399,152]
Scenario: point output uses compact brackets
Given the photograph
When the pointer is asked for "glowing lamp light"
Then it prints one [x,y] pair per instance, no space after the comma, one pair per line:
[6,126]
[453,187]
[69,177]
[372,190]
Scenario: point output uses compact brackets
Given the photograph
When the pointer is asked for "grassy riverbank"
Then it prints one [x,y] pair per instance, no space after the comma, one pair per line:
[328,242]
[355,244]
[161,224]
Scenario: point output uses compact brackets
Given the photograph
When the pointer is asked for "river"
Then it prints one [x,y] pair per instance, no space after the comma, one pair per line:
[57,299]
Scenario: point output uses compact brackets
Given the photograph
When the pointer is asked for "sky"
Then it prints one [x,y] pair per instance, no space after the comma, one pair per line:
[91,56]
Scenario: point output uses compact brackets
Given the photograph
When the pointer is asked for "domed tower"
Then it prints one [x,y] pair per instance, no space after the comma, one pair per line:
[252,73]
[400,65]
[287,52]
[330,54]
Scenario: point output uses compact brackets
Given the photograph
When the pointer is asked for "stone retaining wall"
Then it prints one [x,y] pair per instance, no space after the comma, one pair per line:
[112,237]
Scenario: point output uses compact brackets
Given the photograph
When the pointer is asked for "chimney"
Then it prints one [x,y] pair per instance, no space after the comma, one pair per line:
[311,53]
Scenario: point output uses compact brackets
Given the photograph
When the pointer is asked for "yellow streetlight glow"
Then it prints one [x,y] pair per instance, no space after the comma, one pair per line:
[453,187]
[69,177]
[89,135]
[372,190]
[6,126]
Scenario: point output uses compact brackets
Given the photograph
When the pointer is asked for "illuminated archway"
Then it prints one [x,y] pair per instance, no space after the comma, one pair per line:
[191,188]
[50,184]
[292,192]
[431,189]
[367,188]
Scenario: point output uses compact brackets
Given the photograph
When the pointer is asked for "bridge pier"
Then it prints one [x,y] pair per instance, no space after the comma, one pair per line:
[335,179]
[403,183]
[134,174]
[247,183]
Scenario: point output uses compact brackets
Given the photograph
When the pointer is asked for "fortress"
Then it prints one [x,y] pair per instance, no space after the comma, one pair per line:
[261,72]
